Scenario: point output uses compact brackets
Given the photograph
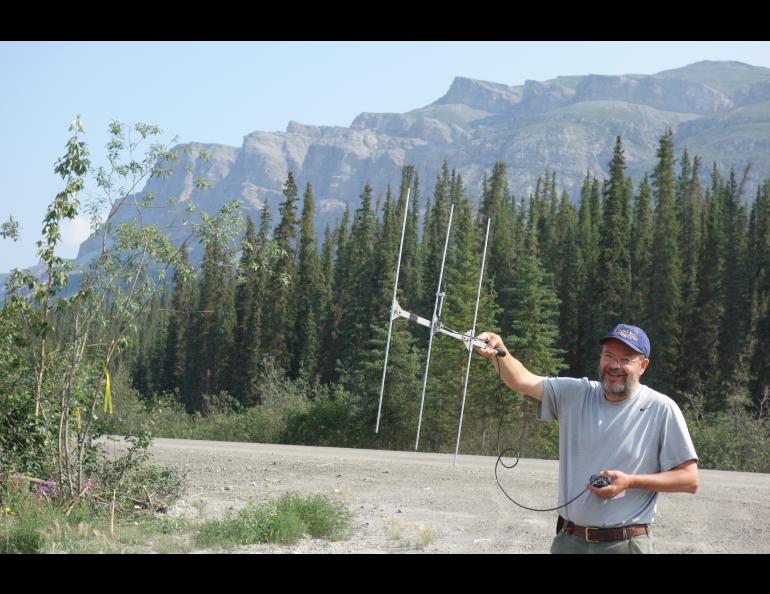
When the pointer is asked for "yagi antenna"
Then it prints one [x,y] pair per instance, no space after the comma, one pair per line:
[435,326]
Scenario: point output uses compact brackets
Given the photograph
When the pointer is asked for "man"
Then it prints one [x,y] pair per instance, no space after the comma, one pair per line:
[616,428]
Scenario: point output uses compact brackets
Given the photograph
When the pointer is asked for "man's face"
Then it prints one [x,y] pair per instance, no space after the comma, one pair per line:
[620,368]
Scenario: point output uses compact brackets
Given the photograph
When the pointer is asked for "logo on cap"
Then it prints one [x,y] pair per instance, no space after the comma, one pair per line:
[626,333]
[632,336]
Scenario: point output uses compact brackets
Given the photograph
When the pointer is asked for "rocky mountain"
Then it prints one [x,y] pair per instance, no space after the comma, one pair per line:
[718,110]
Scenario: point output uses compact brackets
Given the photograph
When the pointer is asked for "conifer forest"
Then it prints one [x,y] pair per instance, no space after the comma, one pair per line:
[279,334]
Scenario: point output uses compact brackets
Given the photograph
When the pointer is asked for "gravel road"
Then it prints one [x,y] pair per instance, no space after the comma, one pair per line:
[406,502]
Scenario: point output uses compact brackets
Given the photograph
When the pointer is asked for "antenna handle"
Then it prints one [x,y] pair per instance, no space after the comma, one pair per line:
[500,352]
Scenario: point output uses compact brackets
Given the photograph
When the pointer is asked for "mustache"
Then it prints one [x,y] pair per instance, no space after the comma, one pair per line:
[625,388]
[606,371]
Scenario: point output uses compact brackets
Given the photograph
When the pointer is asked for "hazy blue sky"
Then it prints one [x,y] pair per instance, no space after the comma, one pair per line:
[220,91]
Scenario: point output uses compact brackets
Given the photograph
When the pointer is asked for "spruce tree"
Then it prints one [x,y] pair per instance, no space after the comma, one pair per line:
[139,365]
[158,318]
[737,311]
[548,226]
[613,288]
[664,303]
[354,295]
[691,220]
[535,336]
[245,305]
[496,204]
[588,331]
[641,240]
[565,223]
[252,343]
[689,198]
[571,280]
[384,266]
[213,324]
[702,376]
[307,296]
[595,208]
[333,322]
[410,293]
[278,322]
[435,233]
[760,365]
[175,359]
[326,300]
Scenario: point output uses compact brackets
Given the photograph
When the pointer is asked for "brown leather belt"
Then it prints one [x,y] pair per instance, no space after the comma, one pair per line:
[603,534]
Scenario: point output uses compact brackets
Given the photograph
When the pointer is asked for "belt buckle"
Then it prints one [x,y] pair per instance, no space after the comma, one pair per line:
[588,538]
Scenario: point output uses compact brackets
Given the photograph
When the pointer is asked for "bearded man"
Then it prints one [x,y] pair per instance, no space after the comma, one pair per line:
[616,428]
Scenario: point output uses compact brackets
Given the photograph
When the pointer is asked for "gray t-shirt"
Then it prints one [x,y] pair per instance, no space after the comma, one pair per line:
[644,434]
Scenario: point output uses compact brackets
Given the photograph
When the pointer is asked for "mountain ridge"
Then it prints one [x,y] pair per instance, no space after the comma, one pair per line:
[719,110]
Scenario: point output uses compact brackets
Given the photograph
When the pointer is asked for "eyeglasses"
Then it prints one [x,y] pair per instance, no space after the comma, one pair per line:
[608,358]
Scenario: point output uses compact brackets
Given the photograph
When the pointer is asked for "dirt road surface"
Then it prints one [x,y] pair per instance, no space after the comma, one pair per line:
[409,502]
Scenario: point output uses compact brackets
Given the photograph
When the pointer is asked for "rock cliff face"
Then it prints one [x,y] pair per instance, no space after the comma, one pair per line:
[719,110]
[215,169]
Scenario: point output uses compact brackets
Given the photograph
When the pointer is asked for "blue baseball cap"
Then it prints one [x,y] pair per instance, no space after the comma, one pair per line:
[630,335]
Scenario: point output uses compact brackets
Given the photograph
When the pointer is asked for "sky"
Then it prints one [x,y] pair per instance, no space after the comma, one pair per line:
[217,92]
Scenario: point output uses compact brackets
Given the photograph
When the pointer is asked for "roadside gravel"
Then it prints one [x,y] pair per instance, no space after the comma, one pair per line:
[407,502]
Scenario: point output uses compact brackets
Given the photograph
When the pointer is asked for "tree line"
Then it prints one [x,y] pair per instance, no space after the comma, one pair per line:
[689,262]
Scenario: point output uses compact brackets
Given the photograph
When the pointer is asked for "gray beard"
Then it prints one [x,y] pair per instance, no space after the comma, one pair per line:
[616,389]
[625,389]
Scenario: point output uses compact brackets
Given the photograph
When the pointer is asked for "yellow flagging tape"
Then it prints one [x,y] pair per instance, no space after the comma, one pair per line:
[107,395]
[77,418]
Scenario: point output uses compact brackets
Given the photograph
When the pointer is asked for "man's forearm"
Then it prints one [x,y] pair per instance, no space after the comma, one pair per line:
[518,378]
[677,480]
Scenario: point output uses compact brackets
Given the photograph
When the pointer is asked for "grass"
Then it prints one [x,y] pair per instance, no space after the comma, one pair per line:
[33,523]
[412,536]
[285,520]
[22,537]
[23,518]
[30,526]
[424,537]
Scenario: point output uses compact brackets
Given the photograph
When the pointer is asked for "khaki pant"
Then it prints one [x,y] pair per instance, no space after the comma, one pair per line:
[565,543]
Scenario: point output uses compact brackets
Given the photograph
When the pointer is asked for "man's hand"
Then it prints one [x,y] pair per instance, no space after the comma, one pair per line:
[493,341]
[620,481]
